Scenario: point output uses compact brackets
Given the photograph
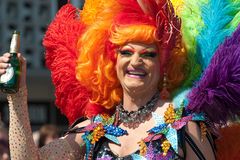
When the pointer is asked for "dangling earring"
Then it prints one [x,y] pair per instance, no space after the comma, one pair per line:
[164,94]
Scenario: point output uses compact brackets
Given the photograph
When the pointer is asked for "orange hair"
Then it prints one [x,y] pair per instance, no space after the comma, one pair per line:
[96,67]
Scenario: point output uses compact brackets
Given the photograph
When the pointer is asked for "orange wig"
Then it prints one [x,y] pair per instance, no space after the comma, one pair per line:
[97,51]
[81,50]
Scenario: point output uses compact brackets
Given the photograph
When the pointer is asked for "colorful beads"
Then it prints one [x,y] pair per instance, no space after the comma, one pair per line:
[169,114]
[106,119]
[115,131]
[203,128]
[165,147]
[97,133]
[105,116]
[158,129]
[142,147]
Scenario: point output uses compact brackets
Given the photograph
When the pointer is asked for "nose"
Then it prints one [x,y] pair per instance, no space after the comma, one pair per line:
[136,60]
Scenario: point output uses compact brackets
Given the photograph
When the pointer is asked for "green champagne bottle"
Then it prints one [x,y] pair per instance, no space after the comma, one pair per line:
[9,81]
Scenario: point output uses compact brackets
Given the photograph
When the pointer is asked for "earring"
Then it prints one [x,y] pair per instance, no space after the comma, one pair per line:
[164,94]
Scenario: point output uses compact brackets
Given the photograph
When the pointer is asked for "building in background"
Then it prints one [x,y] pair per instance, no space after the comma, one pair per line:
[31,18]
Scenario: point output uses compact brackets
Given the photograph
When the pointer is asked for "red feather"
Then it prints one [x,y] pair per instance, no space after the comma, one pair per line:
[61,54]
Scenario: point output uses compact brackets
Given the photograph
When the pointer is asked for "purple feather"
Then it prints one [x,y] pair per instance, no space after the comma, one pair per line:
[217,94]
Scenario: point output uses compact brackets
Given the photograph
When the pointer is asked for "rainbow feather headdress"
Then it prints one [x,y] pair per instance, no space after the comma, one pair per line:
[69,40]
[207,29]
[205,26]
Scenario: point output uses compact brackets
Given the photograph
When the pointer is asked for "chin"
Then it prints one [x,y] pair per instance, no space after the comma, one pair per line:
[136,86]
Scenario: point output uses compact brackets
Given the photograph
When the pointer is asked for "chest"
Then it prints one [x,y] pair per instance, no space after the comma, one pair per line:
[131,142]
[157,137]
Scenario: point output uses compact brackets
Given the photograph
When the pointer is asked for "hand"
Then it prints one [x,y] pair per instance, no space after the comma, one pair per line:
[4,59]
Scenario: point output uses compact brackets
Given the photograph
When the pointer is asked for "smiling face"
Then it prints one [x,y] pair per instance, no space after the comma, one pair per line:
[138,67]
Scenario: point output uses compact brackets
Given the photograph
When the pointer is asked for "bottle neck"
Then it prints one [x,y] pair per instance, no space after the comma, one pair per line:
[13,54]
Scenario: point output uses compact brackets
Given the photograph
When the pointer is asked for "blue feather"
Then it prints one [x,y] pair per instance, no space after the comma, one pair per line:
[216,14]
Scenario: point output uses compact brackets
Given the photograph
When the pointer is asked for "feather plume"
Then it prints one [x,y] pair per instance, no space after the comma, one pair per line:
[205,24]
[61,54]
[192,23]
[217,93]
[178,5]
[216,14]
[91,11]
[234,23]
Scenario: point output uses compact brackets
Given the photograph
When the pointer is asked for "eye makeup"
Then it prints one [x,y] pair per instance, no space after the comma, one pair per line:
[148,53]
[126,52]
[145,53]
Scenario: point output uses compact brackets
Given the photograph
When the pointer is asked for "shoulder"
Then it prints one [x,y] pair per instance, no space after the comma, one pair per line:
[82,123]
[198,140]
[70,146]
[76,130]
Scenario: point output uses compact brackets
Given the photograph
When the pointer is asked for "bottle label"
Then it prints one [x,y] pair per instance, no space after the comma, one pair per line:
[7,76]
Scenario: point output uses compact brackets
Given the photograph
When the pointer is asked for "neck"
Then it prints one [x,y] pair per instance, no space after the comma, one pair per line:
[132,100]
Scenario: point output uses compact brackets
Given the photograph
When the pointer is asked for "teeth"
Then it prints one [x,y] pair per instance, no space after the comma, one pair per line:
[136,73]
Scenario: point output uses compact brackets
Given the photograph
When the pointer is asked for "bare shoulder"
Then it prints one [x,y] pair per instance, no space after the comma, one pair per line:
[202,143]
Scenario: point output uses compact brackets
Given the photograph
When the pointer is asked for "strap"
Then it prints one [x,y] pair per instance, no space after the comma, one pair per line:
[71,129]
[79,120]
[194,147]
[211,141]
[182,142]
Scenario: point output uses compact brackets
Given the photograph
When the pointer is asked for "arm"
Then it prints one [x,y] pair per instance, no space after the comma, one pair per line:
[20,135]
[204,145]
[22,146]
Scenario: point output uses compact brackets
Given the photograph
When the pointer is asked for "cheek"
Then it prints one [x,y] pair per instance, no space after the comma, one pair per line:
[154,66]
[155,71]
[119,66]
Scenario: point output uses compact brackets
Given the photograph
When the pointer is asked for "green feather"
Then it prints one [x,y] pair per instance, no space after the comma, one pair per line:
[192,27]
[191,22]
[235,22]
[236,16]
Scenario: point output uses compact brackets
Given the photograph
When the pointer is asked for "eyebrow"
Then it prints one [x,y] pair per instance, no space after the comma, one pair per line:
[127,46]
[147,50]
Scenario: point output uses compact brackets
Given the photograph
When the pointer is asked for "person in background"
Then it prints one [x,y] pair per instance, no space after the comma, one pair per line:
[47,133]
[4,143]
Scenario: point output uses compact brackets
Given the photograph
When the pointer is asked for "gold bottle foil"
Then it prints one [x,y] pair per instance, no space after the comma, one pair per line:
[15,42]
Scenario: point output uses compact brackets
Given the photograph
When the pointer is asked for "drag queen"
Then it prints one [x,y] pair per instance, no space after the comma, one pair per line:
[129,77]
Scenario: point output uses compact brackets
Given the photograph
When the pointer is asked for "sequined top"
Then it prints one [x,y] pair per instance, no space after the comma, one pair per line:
[162,142]
[102,151]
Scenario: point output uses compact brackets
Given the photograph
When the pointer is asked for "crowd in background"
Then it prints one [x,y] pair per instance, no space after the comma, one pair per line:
[43,136]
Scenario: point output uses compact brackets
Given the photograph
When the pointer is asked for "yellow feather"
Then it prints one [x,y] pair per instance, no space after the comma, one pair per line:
[178,5]
[90,11]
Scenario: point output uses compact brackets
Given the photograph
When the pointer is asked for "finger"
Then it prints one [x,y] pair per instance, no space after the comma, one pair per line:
[4,59]
[2,71]
[4,65]
[7,55]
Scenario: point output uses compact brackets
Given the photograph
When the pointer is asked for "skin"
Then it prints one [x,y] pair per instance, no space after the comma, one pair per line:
[138,69]
[137,91]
